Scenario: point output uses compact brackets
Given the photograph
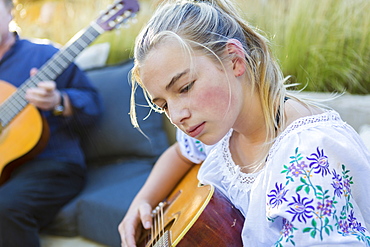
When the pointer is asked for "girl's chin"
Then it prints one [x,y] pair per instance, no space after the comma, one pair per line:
[209,139]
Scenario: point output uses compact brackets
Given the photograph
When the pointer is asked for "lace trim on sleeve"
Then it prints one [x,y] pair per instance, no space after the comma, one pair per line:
[331,117]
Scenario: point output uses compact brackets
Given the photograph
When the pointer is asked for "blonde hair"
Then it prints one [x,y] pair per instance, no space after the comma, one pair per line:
[207,26]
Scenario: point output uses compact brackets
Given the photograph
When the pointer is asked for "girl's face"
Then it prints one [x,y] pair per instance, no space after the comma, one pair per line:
[199,96]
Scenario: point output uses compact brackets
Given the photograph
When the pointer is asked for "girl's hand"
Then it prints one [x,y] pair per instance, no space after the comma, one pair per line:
[139,216]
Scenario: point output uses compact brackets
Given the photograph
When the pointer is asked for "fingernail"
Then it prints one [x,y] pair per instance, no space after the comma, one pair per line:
[147,224]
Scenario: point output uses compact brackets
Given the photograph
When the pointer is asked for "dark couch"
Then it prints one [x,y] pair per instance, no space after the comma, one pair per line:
[119,159]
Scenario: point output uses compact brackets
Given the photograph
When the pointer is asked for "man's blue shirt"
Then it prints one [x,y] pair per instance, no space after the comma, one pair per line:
[63,144]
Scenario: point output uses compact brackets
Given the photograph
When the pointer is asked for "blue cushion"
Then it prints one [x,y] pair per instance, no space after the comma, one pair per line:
[103,210]
[114,137]
[109,191]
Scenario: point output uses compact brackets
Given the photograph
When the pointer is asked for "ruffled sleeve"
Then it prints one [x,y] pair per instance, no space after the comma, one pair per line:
[191,148]
[315,188]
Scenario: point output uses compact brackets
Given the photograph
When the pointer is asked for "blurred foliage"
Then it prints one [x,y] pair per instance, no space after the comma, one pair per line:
[323,45]
[60,20]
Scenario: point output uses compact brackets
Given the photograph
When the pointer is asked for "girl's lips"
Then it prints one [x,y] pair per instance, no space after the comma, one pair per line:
[196,130]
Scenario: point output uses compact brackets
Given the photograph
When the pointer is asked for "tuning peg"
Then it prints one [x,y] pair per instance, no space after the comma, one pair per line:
[134,19]
[112,24]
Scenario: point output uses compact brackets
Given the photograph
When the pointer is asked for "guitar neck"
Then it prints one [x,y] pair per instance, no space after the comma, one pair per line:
[115,15]
[48,72]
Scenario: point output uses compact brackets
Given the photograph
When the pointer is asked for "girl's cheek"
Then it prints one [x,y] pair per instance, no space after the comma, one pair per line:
[214,99]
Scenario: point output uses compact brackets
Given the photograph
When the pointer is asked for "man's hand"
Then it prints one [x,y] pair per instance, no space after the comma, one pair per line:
[45,96]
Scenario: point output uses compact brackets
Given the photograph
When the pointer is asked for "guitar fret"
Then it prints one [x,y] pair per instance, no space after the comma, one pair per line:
[90,35]
[68,57]
[64,59]
[74,50]
[79,46]
[61,63]
[5,116]
[21,102]
[46,73]
[85,42]
[56,69]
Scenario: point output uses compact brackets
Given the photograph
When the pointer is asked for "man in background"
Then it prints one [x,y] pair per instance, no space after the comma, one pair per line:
[37,189]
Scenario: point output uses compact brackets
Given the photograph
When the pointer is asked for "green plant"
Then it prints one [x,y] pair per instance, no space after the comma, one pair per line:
[322,45]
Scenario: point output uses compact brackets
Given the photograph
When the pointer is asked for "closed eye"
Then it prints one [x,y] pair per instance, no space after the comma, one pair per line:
[187,87]
[164,107]
[161,108]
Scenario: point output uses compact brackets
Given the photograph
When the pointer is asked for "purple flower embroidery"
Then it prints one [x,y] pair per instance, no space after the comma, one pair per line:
[354,224]
[325,208]
[337,184]
[343,225]
[320,162]
[287,227]
[277,196]
[302,165]
[300,208]
[347,185]
[358,227]
[298,169]
[295,170]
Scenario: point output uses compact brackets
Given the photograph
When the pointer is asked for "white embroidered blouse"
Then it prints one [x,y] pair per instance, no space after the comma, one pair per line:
[313,190]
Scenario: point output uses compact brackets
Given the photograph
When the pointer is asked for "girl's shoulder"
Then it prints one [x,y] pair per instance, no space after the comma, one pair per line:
[295,110]
[317,129]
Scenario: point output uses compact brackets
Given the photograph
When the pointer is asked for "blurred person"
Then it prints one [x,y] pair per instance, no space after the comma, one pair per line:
[37,189]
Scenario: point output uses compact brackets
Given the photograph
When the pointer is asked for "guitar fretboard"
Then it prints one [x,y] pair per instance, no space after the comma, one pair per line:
[48,72]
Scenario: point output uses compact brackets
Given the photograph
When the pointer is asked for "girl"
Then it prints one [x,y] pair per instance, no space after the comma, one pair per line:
[295,170]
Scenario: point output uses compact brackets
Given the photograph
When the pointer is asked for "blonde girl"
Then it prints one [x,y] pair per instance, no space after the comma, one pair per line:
[295,170]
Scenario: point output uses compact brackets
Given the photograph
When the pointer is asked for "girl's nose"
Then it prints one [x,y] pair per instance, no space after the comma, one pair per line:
[178,113]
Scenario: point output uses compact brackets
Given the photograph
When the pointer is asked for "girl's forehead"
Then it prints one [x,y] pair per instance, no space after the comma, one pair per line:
[169,57]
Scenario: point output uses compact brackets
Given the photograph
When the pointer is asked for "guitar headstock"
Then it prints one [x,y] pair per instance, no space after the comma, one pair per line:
[118,13]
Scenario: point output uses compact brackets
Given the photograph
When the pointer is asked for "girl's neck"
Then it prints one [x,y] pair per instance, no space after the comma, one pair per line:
[247,142]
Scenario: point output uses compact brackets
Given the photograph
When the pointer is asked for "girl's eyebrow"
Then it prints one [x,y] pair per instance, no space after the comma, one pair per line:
[173,81]
[176,78]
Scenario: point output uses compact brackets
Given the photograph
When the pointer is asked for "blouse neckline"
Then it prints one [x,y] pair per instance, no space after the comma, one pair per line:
[235,171]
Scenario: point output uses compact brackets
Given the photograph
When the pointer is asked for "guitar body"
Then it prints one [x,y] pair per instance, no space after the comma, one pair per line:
[23,138]
[197,215]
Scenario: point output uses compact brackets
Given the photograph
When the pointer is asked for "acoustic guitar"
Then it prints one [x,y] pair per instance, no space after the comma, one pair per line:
[23,131]
[194,215]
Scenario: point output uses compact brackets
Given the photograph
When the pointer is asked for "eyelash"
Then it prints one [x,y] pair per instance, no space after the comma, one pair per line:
[183,90]
[187,87]
[164,107]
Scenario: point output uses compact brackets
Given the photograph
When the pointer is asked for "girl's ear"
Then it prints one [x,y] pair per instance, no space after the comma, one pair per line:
[235,49]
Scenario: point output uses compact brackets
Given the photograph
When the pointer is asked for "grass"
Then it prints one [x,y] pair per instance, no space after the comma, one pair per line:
[323,45]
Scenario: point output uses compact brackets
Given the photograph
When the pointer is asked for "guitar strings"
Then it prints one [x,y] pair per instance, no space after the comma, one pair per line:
[158,224]
[161,216]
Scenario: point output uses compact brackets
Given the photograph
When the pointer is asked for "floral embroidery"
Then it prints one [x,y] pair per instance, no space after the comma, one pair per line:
[319,162]
[301,208]
[287,233]
[277,196]
[314,206]
[199,145]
